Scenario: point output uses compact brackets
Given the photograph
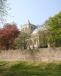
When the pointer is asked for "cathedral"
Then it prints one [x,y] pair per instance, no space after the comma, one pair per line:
[28,27]
[33,30]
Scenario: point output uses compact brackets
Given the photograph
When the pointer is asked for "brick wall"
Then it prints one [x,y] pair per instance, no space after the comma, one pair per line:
[43,54]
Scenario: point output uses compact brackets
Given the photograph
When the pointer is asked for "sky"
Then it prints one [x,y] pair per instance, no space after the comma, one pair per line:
[37,11]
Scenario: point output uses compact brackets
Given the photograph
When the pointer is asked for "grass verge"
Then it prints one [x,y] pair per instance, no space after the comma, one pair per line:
[30,68]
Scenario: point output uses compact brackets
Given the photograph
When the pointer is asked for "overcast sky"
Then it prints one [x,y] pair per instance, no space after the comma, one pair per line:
[37,11]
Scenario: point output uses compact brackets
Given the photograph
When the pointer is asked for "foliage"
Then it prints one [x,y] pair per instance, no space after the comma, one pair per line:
[43,38]
[21,41]
[54,27]
[7,36]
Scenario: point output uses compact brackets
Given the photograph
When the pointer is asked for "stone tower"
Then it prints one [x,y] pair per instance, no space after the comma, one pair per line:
[28,27]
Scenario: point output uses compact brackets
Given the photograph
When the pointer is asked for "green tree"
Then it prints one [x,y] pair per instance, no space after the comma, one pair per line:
[54,28]
[21,41]
[43,38]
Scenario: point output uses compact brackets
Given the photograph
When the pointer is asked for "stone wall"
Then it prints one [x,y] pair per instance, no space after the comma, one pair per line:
[43,54]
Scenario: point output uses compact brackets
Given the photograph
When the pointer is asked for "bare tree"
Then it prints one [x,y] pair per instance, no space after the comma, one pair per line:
[3,10]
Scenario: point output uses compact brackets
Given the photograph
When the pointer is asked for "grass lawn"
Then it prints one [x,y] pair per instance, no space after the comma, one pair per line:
[30,69]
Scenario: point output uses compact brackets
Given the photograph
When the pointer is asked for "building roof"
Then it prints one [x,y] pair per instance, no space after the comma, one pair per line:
[40,28]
